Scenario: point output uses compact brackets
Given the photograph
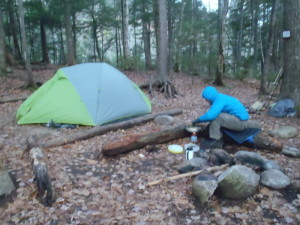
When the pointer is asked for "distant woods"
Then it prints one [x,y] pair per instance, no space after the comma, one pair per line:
[240,39]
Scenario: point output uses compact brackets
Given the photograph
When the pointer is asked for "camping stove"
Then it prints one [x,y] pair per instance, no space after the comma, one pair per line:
[193,130]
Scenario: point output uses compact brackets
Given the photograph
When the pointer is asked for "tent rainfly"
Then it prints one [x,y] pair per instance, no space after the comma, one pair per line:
[85,94]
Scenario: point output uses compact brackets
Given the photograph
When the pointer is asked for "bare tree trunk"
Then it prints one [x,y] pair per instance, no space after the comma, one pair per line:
[240,35]
[17,52]
[125,37]
[291,53]
[222,11]
[116,34]
[70,45]
[267,62]
[255,34]
[162,42]
[177,63]
[162,61]
[3,65]
[30,82]
[45,57]
[146,39]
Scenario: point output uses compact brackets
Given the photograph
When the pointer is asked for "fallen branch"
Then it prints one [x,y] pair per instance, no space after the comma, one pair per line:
[6,100]
[41,176]
[98,130]
[189,174]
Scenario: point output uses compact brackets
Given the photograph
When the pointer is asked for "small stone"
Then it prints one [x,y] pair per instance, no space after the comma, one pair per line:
[291,151]
[275,179]
[284,132]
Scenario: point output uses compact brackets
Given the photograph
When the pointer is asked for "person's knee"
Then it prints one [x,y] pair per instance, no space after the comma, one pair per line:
[254,124]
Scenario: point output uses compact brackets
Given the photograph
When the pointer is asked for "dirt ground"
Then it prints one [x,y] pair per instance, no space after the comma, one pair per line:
[112,190]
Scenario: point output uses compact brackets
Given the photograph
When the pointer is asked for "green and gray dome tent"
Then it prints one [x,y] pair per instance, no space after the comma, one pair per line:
[86,94]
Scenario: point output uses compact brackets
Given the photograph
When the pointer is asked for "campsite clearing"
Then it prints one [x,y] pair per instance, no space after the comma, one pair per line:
[112,190]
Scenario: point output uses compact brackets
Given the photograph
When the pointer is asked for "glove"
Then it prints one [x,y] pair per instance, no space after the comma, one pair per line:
[195,121]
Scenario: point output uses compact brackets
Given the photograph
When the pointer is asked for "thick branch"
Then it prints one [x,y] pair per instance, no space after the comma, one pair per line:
[136,141]
[193,173]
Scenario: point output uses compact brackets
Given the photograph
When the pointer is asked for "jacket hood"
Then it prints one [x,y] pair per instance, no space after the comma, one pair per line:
[209,93]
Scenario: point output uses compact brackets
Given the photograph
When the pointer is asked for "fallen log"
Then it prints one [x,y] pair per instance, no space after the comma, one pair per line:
[98,130]
[41,176]
[189,174]
[6,100]
[137,141]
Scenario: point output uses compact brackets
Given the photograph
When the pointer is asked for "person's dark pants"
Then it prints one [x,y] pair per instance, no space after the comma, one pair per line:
[230,122]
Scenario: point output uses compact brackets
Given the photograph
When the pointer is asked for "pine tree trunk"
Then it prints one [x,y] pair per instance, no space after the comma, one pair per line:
[2,48]
[17,51]
[162,41]
[125,37]
[291,52]
[222,11]
[70,46]
[146,38]
[45,57]
[267,62]
[30,82]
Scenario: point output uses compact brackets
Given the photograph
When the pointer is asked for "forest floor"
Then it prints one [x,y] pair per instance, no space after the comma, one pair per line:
[112,190]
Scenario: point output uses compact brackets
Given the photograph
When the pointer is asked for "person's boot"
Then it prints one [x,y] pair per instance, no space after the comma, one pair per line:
[211,144]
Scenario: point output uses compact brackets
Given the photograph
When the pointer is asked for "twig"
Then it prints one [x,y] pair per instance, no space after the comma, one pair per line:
[210,169]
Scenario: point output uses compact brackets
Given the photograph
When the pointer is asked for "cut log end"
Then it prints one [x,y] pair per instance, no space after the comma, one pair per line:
[45,190]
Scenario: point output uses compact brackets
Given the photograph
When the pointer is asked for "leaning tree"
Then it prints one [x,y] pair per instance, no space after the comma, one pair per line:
[290,87]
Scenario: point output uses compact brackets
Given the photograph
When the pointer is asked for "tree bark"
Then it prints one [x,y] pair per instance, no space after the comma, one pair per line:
[45,56]
[267,62]
[291,53]
[137,141]
[30,82]
[68,26]
[13,27]
[3,64]
[167,87]
[240,34]
[222,11]
[98,130]
[146,35]
[125,37]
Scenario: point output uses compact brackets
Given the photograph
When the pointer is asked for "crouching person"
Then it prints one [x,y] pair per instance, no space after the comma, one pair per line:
[225,112]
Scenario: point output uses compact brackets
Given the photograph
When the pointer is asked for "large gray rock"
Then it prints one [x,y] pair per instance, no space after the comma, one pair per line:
[238,182]
[275,179]
[204,187]
[284,132]
[6,184]
[164,120]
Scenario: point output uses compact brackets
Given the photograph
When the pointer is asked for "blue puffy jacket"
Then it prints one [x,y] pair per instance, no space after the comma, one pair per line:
[221,103]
